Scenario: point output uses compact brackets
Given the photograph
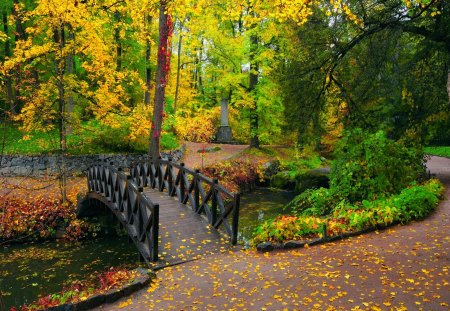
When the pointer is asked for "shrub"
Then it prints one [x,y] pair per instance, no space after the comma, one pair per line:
[369,165]
[286,228]
[313,202]
[234,175]
[414,202]
[77,291]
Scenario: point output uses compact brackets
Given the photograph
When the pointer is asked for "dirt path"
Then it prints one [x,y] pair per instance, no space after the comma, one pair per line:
[402,268]
[193,159]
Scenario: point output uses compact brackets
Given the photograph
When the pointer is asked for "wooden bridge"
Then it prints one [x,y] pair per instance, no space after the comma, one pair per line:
[171,213]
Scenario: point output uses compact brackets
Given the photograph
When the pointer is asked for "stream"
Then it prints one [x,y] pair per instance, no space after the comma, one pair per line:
[259,206]
[30,270]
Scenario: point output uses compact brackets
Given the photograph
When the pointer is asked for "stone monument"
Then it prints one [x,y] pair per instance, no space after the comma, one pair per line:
[224,133]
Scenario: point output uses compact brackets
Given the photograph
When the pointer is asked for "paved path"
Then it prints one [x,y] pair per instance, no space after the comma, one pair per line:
[401,268]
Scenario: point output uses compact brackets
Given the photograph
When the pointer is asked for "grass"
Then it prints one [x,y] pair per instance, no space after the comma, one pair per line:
[442,151]
[89,138]
[290,159]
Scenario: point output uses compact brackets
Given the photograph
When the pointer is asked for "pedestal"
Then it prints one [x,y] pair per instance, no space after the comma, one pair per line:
[224,134]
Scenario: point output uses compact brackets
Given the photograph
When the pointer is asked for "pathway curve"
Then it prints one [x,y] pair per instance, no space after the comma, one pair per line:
[401,268]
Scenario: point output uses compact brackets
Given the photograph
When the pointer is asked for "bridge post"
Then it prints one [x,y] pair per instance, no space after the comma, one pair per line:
[214,202]
[160,175]
[155,232]
[169,170]
[196,191]
[236,203]
[182,185]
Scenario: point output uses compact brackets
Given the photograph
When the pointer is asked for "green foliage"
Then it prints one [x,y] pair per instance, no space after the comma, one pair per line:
[411,203]
[414,202]
[309,180]
[285,228]
[370,165]
[87,138]
[169,141]
[442,151]
[313,202]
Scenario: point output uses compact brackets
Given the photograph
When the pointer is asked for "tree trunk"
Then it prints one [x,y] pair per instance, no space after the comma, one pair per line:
[163,66]
[118,43]
[199,69]
[59,39]
[448,85]
[254,72]
[148,69]
[8,82]
[70,69]
[177,86]
[20,34]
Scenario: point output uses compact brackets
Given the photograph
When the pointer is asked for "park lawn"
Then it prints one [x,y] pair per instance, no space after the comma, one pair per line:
[86,140]
[442,151]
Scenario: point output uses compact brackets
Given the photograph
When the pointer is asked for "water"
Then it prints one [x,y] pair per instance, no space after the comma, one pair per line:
[31,270]
[259,206]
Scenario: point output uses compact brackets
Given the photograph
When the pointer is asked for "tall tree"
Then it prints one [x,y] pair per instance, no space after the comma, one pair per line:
[162,71]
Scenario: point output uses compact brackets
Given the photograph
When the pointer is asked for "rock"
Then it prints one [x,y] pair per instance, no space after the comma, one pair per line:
[265,247]
[271,168]
[283,180]
[293,244]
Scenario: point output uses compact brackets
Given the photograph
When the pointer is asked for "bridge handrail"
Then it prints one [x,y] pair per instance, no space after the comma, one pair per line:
[217,203]
[137,213]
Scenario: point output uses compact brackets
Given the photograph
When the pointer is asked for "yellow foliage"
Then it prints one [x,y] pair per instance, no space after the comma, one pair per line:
[140,124]
[199,127]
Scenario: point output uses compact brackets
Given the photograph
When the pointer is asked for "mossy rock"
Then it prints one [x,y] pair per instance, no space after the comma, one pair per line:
[283,180]
[311,179]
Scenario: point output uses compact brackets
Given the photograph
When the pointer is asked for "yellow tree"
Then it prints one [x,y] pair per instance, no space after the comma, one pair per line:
[57,34]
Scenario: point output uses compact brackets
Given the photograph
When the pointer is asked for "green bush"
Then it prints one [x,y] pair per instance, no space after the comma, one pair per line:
[285,228]
[312,202]
[414,202]
[371,165]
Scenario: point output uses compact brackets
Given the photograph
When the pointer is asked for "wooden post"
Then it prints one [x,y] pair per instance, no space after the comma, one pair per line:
[214,202]
[182,185]
[196,191]
[236,203]
[155,232]
[160,177]
[170,177]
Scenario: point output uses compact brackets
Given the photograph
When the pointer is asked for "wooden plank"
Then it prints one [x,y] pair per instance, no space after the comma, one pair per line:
[184,235]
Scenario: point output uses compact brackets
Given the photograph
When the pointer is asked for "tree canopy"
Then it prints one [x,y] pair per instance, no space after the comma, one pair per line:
[291,71]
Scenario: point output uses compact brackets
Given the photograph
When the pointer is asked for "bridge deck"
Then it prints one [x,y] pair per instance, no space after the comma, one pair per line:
[183,234]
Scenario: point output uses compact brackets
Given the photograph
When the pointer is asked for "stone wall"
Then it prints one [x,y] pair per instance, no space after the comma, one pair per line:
[47,165]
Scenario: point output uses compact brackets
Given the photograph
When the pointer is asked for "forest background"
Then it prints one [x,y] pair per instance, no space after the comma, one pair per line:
[116,74]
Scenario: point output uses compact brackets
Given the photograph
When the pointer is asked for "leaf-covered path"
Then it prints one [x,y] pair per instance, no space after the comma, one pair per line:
[401,268]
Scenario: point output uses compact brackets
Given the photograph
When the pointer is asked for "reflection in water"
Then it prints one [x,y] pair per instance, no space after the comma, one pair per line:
[30,270]
[259,206]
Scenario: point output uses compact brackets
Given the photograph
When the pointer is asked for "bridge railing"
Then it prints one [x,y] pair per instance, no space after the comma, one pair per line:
[137,213]
[202,194]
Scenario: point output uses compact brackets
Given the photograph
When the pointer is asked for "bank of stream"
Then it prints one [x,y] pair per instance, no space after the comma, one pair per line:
[258,206]
[30,270]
